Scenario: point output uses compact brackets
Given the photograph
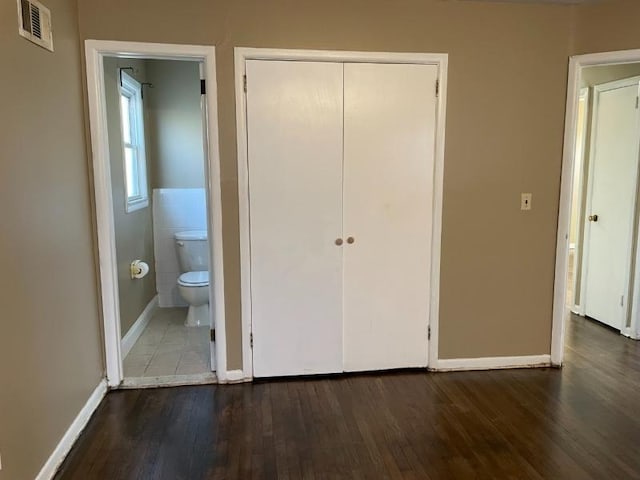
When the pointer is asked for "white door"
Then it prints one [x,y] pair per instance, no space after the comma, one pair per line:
[294,123]
[389,138]
[613,176]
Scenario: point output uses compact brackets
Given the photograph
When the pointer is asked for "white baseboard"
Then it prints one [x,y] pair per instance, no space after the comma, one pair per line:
[629,333]
[132,336]
[491,363]
[73,432]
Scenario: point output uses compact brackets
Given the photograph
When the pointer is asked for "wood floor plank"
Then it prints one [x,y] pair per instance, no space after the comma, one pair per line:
[579,422]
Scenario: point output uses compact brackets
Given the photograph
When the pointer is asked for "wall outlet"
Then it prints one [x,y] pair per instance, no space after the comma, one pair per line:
[525,201]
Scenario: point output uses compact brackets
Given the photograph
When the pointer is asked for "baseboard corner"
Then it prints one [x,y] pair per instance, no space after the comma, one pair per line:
[69,438]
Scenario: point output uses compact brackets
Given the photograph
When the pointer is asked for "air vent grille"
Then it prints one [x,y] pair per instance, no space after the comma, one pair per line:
[35,23]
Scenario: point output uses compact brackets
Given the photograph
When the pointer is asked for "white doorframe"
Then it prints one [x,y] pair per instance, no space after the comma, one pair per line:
[560,312]
[244,54]
[95,51]
[579,246]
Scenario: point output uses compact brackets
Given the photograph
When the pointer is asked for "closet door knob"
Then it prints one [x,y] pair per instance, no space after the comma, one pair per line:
[350,240]
[593,218]
[339,241]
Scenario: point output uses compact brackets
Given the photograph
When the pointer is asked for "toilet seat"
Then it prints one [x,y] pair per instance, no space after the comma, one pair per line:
[194,279]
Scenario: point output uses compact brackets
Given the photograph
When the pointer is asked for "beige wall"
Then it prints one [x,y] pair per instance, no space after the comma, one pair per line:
[50,347]
[133,230]
[175,124]
[505,59]
[609,26]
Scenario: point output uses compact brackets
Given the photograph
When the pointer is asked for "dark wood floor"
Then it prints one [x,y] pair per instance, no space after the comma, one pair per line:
[581,422]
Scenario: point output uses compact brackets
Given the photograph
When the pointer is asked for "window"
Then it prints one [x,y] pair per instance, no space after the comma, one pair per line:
[135,163]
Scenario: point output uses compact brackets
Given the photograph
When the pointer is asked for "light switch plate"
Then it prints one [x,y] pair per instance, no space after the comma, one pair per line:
[525,201]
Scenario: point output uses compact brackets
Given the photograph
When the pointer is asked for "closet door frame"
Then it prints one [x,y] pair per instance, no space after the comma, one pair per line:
[243,54]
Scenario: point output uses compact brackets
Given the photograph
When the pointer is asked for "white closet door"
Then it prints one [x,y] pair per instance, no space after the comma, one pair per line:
[389,139]
[294,122]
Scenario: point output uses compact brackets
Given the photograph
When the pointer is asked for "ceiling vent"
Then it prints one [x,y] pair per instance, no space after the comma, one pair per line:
[35,23]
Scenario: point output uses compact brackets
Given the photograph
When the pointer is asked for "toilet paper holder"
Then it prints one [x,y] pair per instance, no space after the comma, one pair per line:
[138,269]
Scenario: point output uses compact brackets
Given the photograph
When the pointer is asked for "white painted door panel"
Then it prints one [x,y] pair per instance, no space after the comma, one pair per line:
[389,138]
[612,198]
[294,123]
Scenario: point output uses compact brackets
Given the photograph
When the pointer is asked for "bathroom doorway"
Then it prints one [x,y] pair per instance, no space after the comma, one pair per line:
[156,171]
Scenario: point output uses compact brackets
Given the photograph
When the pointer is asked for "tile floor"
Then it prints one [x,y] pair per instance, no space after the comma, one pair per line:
[167,347]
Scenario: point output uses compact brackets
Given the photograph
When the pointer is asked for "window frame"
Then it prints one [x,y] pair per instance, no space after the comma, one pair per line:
[132,89]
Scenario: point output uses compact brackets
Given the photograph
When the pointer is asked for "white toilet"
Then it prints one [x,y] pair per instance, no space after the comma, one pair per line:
[193,283]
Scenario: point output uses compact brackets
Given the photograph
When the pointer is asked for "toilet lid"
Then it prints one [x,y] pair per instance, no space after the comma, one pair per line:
[196,279]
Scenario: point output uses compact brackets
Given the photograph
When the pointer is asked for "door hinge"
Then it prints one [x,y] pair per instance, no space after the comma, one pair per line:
[213,334]
[637,102]
[429,333]
[251,339]
[437,88]
[244,82]
[203,86]
[622,300]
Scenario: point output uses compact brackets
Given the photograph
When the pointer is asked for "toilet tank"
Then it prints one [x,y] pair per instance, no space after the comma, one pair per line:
[193,250]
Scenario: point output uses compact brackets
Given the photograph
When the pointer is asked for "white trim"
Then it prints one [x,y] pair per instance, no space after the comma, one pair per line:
[95,50]
[491,363]
[578,246]
[629,332]
[132,336]
[244,54]
[104,215]
[560,311]
[237,376]
[73,432]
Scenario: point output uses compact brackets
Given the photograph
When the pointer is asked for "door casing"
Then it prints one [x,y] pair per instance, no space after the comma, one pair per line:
[95,51]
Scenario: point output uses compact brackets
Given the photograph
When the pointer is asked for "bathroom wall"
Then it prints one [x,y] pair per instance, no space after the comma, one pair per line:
[174,210]
[175,124]
[51,357]
[133,230]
